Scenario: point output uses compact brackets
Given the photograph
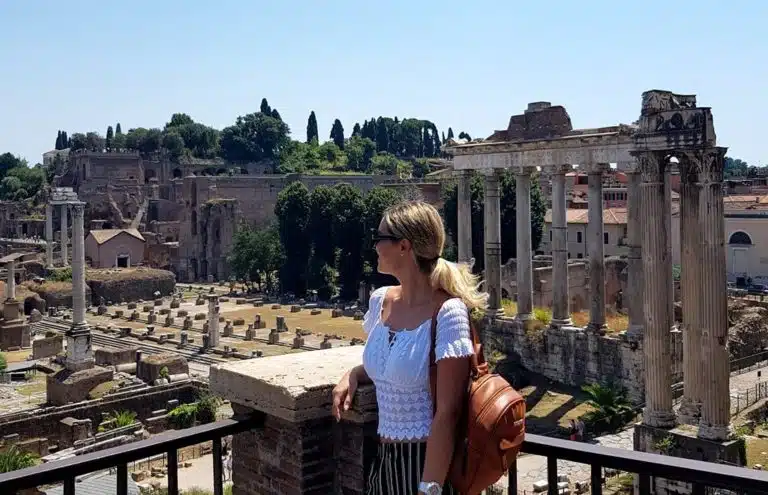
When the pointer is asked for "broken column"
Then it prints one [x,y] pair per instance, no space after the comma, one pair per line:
[213,320]
[595,248]
[48,235]
[561,315]
[464,210]
[492,227]
[690,250]
[657,271]
[14,330]
[64,235]
[524,251]
[713,309]
[79,351]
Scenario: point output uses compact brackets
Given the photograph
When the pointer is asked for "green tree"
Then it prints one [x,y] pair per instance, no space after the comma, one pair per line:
[3,363]
[508,216]
[356,129]
[13,459]
[360,152]
[254,137]
[78,142]
[256,255]
[64,140]
[610,406]
[381,134]
[174,143]
[292,211]
[298,157]
[312,135]
[348,230]
[450,133]
[58,142]
[201,141]
[110,137]
[376,202]
[8,162]
[265,108]
[464,135]
[118,129]
[276,114]
[323,201]
[178,120]
[337,134]
[94,141]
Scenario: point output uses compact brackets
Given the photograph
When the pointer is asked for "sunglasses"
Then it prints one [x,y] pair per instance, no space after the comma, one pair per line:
[377,237]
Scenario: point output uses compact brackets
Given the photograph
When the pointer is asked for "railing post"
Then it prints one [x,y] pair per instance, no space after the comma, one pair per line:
[122,480]
[173,472]
[218,481]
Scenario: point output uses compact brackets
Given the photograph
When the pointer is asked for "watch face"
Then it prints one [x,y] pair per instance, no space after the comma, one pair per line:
[433,489]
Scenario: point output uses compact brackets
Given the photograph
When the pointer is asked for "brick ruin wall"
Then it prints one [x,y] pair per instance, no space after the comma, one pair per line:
[44,423]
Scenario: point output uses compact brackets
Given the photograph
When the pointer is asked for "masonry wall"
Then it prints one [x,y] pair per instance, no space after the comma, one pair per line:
[44,423]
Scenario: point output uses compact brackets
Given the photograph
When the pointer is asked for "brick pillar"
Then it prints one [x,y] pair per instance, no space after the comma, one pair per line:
[299,448]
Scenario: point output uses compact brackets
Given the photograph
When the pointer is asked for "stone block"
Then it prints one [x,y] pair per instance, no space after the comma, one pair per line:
[358,315]
[336,313]
[206,327]
[150,366]
[275,306]
[114,357]
[134,316]
[295,308]
[200,316]
[164,311]
[199,301]
[249,332]
[228,329]
[118,313]
[187,323]
[47,347]
[238,322]
[158,302]
[101,310]
[66,386]
[182,313]
[169,321]
[175,303]
[280,323]
[146,308]
[326,343]
[315,312]
[73,431]
[274,337]
[131,305]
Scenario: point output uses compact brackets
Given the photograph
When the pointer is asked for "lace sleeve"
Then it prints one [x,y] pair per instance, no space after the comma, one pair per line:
[374,309]
[453,339]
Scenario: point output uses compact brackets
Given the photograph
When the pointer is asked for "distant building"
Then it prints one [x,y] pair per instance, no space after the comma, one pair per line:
[614,232]
[49,157]
[114,248]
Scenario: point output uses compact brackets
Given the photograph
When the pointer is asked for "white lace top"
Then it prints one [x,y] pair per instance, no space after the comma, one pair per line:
[397,362]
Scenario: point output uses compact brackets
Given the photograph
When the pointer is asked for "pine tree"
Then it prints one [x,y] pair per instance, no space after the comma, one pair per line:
[337,134]
[265,108]
[110,135]
[312,134]
[117,129]
[450,133]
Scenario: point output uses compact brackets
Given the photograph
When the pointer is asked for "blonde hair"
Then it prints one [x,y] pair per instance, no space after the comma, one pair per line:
[421,224]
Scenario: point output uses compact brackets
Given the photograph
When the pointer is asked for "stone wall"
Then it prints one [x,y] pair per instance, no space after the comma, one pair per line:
[130,285]
[44,422]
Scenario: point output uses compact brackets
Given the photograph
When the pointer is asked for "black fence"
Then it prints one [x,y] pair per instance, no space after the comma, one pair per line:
[647,467]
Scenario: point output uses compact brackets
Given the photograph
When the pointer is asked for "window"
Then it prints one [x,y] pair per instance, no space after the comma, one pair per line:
[123,261]
[740,238]
[579,255]
[605,237]
[578,237]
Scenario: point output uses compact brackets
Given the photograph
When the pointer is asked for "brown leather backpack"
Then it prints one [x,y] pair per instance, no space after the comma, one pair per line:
[491,428]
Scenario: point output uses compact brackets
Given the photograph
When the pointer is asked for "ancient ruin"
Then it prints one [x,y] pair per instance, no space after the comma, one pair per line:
[672,132]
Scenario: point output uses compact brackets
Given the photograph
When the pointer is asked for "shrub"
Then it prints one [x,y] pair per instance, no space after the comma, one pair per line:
[164,373]
[60,274]
[122,418]
[183,416]
[13,459]
[543,315]
[207,407]
[3,362]
[610,406]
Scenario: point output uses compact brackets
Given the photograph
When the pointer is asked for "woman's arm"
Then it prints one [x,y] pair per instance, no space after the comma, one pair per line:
[360,374]
[452,377]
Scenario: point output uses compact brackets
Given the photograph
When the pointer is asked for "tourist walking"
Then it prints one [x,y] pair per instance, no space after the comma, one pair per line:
[416,441]
[572,430]
[580,427]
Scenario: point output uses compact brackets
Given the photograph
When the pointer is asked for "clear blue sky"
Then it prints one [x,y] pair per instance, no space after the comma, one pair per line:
[82,65]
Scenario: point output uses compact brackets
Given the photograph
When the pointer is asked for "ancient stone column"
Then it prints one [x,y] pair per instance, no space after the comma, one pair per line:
[561,315]
[524,263]
[634,295]
[595,249]
[657,271]
[10,283]
[213,320]
[713,304]
[690,254]
[79,351]
[492,227]
[48,235]
[464,209]
[64,235]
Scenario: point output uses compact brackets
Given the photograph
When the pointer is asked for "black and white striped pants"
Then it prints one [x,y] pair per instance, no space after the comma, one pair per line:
[397,469]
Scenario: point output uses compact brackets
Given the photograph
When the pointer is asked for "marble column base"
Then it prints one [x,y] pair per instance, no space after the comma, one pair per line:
[690,412]
[558,323]
[597,328]
[659,419]
[524,316]
[635,332]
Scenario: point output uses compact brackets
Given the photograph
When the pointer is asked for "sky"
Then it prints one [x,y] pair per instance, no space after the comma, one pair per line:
[82,65]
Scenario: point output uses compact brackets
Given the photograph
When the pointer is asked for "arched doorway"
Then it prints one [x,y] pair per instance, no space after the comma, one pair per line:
[739,244]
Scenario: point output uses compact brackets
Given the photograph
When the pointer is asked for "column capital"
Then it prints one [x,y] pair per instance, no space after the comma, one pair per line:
[595,168]
[78,209]
[523,170]
[628,167]
[462,173]
[705,166]
[652,166]
[558,170]
[491,172]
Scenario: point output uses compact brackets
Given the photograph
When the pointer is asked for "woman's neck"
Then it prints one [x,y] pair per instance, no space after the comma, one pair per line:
[415,289]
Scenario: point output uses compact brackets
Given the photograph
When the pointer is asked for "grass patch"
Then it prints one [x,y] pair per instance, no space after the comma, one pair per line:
[35,386]
[101,389]
[553,407]
[757,451]
[17,356]
[317,324]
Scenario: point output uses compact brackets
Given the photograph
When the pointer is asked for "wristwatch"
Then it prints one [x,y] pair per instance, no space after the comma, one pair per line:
[430,488]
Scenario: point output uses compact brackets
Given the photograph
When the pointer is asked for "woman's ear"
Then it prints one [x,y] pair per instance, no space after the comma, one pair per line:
[405,246]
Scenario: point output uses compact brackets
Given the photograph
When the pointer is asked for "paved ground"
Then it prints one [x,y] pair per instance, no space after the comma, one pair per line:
[199,475]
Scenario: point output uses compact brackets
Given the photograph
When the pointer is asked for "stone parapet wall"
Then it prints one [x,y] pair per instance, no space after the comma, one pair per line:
[298,448]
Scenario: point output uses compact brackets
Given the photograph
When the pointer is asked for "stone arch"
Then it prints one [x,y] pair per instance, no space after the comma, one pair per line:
[148,174]
[740,238]
[177,173]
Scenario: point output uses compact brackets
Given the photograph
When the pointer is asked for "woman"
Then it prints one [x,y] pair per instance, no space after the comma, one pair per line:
[416,442]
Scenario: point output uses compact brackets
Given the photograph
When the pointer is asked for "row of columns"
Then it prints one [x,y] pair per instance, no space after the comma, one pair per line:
[595,245]
[64,234]
[650,287]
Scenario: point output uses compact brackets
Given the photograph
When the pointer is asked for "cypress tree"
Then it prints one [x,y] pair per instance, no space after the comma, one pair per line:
[110,135]
[450,133]
[337,134]
[382,136]
[117,129]
[58,141]
[265,108]
[276,114]
[312,134]
[356,129]
[65,143]
[428,145]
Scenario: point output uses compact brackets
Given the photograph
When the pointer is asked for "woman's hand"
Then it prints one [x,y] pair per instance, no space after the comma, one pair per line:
[343,393]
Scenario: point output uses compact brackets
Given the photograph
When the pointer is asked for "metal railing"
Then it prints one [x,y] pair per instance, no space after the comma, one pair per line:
[646,466]
[168,443]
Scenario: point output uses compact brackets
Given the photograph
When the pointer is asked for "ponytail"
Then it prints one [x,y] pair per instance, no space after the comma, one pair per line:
[457,280]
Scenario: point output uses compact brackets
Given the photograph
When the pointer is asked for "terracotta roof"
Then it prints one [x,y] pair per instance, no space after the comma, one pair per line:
[103,235]
[744,202]
[611,216]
